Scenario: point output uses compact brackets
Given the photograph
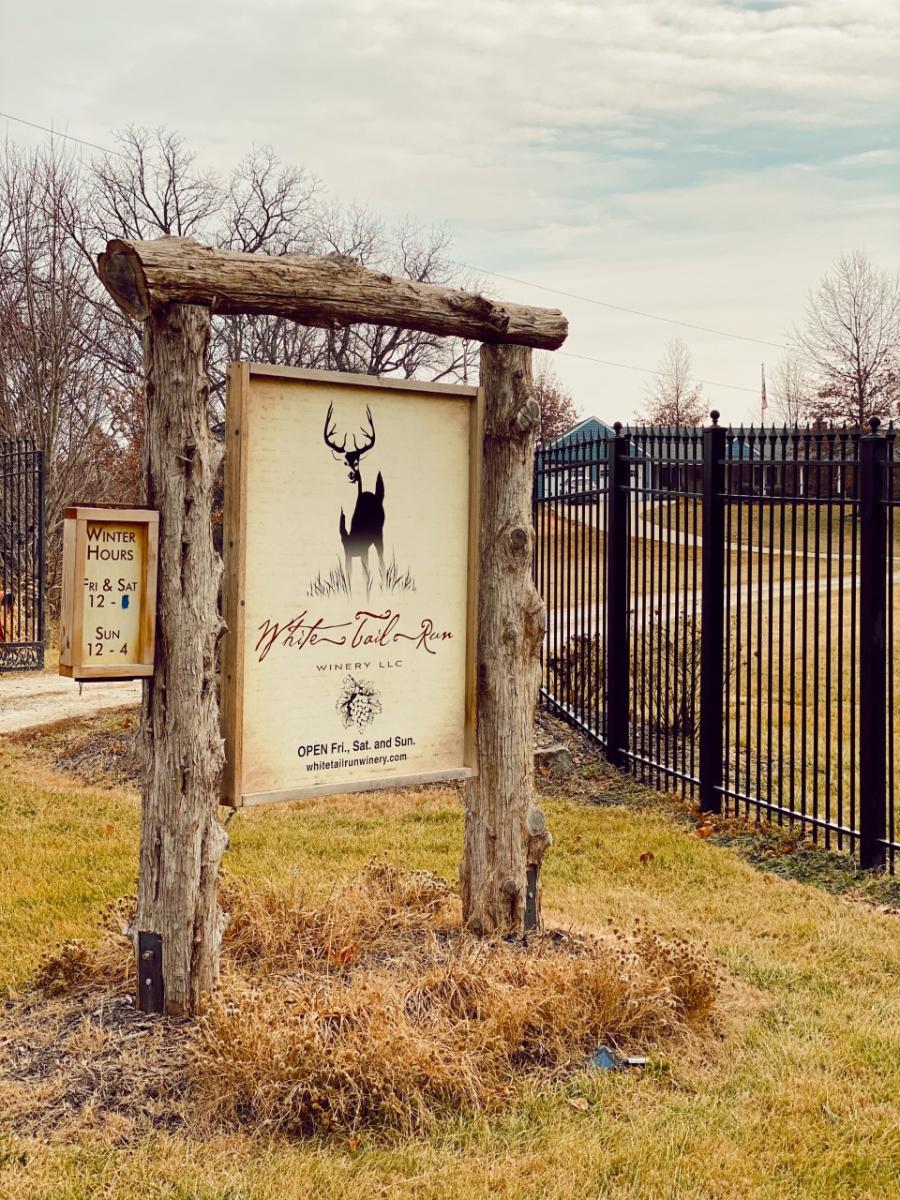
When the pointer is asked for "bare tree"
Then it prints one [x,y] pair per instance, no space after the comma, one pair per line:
[153,186]
[672,398]
[269,206]
[850,342]
[791,389]
[558,413]
[53,385]
[412,253]
[71,363]
[150,186]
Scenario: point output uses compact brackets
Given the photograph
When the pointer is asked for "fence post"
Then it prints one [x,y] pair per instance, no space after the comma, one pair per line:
[872,648]
[41,554]
[616,682]
[712,627]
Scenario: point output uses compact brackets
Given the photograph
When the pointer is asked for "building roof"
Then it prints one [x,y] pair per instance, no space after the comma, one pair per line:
[588,424]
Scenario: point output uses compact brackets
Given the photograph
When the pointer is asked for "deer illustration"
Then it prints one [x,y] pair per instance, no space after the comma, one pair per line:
[367,522]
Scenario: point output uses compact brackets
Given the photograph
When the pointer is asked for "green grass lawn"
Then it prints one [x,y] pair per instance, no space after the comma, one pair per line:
[796,1095]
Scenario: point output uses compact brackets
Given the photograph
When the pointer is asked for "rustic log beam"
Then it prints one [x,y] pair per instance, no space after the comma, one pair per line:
[505,833]
[182,840]
[331,291]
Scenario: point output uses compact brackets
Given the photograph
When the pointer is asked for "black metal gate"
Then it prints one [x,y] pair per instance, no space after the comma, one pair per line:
[21,556]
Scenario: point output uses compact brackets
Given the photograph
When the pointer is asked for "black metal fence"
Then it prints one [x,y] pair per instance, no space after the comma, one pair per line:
[21,556]
[721,609]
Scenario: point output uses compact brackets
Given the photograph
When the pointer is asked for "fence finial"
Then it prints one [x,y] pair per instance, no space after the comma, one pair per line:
[714,416]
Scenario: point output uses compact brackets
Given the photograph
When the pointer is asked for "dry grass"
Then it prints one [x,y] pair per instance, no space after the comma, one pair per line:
[792,660]
[796,525]
[86,1063]
[371,1010]
[794,1099]
[102,751]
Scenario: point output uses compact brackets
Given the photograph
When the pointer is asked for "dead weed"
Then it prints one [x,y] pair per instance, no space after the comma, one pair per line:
[371,1010]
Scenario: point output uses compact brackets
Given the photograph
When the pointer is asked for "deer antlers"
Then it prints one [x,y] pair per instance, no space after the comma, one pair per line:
[330,433]
[371,440]
[357,451]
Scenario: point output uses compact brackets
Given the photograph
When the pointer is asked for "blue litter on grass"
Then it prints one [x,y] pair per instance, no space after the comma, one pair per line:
[605,1059]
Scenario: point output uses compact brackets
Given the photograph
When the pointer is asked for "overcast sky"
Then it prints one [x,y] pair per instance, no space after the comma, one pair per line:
[705,160]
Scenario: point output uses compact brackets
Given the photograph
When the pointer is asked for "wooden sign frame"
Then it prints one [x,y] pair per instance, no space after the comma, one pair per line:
[73,661]
[240,377]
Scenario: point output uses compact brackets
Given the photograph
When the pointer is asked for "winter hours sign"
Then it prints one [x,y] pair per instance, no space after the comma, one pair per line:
[350,528]
[108,608]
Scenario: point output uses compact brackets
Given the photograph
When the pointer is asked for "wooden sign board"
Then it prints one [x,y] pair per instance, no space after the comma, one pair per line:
[108,620]
[350,582]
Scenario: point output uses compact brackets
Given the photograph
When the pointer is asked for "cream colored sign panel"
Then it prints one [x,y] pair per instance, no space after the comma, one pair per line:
[108,603]
[113,572]
[354,655]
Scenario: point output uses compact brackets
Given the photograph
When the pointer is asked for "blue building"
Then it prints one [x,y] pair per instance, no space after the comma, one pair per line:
[668,459]
[574,464]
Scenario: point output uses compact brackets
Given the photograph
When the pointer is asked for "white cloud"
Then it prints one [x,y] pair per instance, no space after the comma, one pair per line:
[633,150]
[870,158]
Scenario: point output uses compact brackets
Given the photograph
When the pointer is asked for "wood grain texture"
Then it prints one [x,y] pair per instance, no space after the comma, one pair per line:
[232,681]
[329,291]
[148,600]
[84,674]
[476,451]
[80,555]
[108,512]
[378,382]
[505,832]
[67,601]
[181,839]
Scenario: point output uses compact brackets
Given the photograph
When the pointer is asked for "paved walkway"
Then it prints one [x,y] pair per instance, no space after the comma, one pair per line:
[29,699]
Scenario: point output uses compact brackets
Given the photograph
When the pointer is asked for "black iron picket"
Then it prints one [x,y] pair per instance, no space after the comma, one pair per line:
[721,609]
[21,556]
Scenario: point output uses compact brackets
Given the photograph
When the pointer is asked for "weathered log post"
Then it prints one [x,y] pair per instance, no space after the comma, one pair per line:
[182,841]
[505,833]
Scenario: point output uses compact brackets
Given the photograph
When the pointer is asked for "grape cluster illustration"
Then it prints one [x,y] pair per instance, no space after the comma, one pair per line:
[358,704]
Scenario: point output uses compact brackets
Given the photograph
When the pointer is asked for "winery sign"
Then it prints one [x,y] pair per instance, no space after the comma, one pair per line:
[350,535]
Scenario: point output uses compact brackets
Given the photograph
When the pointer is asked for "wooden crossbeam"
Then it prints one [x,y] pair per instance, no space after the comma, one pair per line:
[328,292]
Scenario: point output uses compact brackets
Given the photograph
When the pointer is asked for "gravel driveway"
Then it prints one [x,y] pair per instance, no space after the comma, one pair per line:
[29,699]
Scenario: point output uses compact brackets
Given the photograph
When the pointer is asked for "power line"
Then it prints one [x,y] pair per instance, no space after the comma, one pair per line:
[635,312]
[735,387]
[497,275]
[68,136]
